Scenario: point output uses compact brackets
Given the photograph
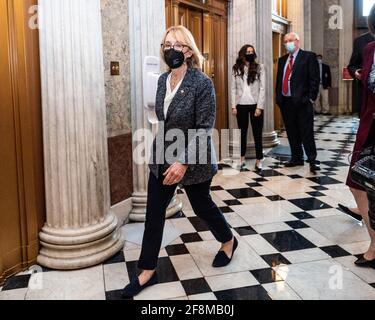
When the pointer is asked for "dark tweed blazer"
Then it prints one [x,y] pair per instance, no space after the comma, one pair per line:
[193,107]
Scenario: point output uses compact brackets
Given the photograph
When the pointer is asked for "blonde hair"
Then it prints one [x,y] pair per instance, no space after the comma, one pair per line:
[185,37]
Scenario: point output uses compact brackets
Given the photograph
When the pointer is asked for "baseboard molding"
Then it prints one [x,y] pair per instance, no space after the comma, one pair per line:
[122,211]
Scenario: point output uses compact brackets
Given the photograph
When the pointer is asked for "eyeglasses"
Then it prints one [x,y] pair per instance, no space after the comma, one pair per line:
[177,46]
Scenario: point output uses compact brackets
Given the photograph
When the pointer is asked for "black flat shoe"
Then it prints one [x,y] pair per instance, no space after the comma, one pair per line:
[222,260]
[362,262]
[350,213]
[134,288]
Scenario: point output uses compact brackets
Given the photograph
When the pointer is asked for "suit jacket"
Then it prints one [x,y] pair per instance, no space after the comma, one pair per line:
[356,61]
[193,107]
[305,79]
[326,76]
[258,89]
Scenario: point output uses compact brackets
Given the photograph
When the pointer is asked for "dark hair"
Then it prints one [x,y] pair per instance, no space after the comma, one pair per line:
[371,20]
[239,67]
[319,56]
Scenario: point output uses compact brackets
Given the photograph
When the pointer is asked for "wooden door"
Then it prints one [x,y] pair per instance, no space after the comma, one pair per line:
[210,32]
[21,163]
[219,70]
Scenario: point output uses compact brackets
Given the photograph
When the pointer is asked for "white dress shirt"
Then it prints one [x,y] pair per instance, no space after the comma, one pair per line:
[295,54]
[247,98]
[169,96]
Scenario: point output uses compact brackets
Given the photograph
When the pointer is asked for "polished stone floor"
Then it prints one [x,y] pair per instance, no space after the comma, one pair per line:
[294,241]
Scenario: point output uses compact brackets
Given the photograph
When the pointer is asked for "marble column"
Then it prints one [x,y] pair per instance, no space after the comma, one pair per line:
[345,49]
[258,32]
[80,230]
[146,29]
[296,10]
[265,49]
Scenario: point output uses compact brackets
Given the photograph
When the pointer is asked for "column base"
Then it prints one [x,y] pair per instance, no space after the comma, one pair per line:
[270,140]
[71,249]
[138,213]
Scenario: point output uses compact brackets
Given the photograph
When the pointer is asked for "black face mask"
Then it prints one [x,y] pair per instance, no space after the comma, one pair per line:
[250,58]
[174,59]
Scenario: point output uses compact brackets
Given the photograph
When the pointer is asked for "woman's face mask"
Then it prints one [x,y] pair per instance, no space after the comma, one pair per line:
[174,59]
[250,57]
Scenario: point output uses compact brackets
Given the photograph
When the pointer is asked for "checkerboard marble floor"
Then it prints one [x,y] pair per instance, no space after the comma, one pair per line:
[294,241]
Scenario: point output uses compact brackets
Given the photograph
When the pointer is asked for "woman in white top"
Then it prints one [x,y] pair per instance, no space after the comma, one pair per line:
[248,99]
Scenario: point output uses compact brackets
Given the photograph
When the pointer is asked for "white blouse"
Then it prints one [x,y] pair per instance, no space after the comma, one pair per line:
[170,94]
[247,98]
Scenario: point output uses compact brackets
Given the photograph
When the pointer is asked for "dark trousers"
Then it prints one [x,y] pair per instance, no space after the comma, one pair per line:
[299,125]
[159,198]
[244,113]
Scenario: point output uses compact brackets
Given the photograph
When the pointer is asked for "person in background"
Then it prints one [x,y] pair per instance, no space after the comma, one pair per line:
[322,103]
[355,70]
[356,61]
[248,101]
[364,138]
[297,88]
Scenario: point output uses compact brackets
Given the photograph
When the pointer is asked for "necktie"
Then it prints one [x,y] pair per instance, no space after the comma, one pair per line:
[288,73]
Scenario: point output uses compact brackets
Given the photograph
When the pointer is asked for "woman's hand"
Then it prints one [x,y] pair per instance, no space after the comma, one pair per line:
[258,112]
[234,111]
[175,174]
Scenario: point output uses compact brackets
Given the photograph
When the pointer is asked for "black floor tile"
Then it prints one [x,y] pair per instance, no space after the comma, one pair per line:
[176,250]
[255,293]
[275,198]
[198,224]
[245,231]
[302,215]
[254,184]
[265,276]
[297,225]
[133,270]
[165,270]
[295,176]
[335,164]
[232,203]
[320,188]
[316,194]
[244,193]
[196,286]
[270,173]
[17,282]
[335,251]
[324,180]
[260,180]
[275,260]
[226,210]
[217,188]
[191,237]
[118,258]
[288,241]
[310,204]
